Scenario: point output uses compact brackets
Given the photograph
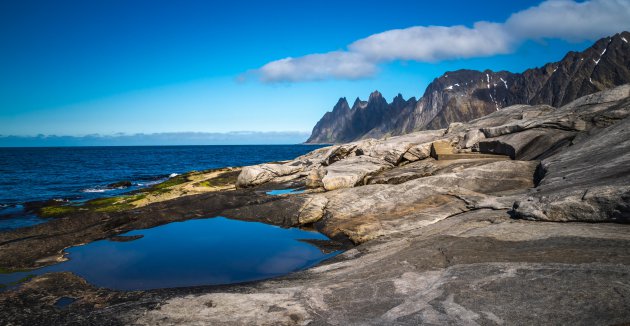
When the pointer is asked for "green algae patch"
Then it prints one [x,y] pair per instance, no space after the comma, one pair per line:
[174,187]
[107,204]
[57,211]
[174,181]
[222,180]
[104,201]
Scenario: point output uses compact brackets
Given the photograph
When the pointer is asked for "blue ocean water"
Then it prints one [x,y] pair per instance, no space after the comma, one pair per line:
[208,251]
[194,252]
[82,173]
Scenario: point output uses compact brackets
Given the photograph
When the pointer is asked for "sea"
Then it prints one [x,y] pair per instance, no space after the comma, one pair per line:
[205,251]
[78,174]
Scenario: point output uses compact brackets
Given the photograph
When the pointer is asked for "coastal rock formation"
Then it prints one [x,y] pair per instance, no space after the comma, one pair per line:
[433,239]
[439,242]
[374,187]
[464,95]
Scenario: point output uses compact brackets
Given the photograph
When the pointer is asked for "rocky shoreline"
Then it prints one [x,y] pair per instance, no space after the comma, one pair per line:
[516,217]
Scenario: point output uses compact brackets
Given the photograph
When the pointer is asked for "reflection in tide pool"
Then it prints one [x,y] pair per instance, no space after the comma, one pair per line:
[194,252]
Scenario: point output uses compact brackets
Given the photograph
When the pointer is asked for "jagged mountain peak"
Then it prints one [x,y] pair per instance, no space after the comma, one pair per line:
[342,104]
[463,95]
[358,103]
[398,99]
[375,95]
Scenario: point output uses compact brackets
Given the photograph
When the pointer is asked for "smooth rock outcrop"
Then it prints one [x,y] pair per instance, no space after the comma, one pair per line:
[352,171]
[589,181]
[259,174]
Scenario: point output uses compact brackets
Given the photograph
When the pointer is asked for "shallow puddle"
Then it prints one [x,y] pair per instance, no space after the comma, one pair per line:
[284,192]
[194,252]
[64,302]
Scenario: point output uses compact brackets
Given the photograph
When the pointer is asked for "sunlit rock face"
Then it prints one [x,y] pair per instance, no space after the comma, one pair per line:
[539,162]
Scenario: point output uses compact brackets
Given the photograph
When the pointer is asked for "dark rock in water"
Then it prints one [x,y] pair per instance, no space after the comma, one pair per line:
[464,95]
[120,184]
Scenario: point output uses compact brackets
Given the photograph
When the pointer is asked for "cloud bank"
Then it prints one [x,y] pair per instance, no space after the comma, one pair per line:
[156,139]
[561,19]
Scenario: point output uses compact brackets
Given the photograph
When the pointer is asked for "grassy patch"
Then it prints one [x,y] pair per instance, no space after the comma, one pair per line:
[170,182]
[114,208]
[104,201]
[120,203]
[223,179]
[57,211]
[109,204]
[136,197]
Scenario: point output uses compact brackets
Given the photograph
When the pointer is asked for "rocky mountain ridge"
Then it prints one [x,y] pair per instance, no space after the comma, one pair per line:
[463,95]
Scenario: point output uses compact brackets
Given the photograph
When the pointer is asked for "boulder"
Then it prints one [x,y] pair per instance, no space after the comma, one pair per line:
[312,210]
[352,171]
[418,152]
[259,174]
[411,147]
[120,185]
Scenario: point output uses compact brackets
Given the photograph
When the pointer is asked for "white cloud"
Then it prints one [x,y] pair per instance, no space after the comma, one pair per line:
[338,64]
[434,43]
[570,20]
[561,19]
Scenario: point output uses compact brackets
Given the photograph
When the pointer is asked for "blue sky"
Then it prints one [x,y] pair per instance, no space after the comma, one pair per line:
[86,67]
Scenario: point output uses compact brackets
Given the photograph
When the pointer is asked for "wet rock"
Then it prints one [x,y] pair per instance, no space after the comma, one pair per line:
[120,185]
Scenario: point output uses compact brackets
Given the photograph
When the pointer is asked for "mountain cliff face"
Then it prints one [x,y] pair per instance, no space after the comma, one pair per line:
[374,116]
[464,95]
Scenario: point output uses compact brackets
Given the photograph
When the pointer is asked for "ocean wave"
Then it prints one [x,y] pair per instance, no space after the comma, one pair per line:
[150,183]
[96,190]
[173,175]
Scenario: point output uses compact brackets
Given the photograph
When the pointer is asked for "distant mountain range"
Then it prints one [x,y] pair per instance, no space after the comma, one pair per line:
[156,139]
[464,95]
